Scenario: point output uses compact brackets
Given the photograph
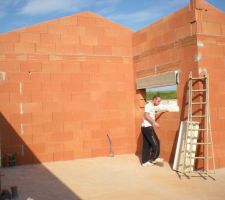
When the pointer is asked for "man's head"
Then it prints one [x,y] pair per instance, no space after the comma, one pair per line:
[156,100]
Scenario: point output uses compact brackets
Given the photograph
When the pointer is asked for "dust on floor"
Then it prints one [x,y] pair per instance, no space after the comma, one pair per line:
[104,178]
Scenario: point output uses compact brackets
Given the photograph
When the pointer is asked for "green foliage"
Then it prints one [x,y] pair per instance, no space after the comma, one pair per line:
[172,94]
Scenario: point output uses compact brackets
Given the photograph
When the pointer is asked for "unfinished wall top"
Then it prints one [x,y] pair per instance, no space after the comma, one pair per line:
[83,33]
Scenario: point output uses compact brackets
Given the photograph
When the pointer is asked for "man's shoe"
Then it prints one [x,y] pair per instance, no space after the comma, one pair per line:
[158,161]
[147,164]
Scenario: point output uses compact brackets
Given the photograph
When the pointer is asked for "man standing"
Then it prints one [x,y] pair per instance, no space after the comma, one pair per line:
[151,143]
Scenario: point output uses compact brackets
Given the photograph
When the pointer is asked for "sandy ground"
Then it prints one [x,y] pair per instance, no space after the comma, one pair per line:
[118,178]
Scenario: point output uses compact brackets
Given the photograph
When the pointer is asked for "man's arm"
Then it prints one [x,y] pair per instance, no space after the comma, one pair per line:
[161,111]
[150,120]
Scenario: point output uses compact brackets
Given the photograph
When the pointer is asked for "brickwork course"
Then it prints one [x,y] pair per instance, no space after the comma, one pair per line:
[67,83]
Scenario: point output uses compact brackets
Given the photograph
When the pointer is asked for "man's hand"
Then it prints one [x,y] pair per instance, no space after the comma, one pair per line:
[156,124]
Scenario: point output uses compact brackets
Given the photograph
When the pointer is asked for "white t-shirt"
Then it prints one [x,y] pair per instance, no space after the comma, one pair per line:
[151,109]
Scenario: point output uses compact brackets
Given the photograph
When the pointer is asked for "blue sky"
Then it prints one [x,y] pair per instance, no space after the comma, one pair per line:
[134,14]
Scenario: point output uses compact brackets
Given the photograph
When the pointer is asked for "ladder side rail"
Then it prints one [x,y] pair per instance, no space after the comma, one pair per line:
[187,127]
[210,130]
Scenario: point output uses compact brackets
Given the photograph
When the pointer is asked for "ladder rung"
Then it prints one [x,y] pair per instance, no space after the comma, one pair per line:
[197,129]
[199,103]
[199,90]
[197,157]
[199,143]
[199,116]
[198,78]
[192,137]
[190,151]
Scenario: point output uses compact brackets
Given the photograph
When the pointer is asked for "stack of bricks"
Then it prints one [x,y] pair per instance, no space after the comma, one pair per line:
[68,83]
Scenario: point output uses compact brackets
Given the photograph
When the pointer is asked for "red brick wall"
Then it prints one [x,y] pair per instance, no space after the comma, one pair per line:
[174,43]
[211,35]
[68,83]
[169,44]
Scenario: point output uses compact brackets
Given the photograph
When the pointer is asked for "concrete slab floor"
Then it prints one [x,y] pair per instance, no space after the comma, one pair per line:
[121,177]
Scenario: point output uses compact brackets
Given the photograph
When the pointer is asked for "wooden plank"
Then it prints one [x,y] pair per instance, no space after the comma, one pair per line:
[178,164]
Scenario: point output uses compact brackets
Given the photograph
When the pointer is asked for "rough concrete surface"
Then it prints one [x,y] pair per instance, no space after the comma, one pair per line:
[104,178]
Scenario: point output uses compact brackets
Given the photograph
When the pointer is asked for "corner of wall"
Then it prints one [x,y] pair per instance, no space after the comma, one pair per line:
[197,4]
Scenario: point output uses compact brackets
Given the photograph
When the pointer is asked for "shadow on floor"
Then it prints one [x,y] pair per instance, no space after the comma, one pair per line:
[30,179]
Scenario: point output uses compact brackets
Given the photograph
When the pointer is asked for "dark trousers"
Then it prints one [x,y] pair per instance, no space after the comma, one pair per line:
[151,144]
